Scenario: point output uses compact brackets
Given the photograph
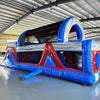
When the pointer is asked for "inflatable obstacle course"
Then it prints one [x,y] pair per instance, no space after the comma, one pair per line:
[73,60]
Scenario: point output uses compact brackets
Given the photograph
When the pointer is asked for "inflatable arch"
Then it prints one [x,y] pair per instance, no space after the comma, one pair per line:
[66,27]
[75,60]
[21,39]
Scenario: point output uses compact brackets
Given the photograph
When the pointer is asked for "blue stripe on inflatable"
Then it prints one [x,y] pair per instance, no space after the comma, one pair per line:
[49,61]
[61,31]
[66,74]
[78,31]
[32,74]
[98,60]
[20,37]
[79,77]
[37,39]
[87,56]
[11,59]
[61,59]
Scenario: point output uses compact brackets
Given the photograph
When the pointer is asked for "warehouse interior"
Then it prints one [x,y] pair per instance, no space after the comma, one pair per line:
[18,16]
[43,18]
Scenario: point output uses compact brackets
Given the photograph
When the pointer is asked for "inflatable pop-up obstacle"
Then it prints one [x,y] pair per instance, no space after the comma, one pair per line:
[73,60]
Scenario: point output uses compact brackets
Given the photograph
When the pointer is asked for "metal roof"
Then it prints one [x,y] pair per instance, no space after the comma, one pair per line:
[16,16]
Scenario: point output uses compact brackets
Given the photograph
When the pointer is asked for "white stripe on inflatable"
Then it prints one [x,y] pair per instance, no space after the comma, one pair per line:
[69,25]
[96,77]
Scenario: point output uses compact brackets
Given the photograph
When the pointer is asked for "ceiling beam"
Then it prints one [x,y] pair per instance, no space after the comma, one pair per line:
[92,37]
[84,8]
[87,35]
[92,28]
[93,32]
[11,6]
[37,9]
[8,35]
[90,19]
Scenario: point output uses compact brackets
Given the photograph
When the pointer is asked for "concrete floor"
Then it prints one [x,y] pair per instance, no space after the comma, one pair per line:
[43,87]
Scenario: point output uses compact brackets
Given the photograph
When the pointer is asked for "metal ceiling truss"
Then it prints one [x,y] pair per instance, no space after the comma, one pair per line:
[10,10]
[90,19]
[79,12]
[89,2]
[40,16]
[34,10]
[12,6]
[77,3]
[89,35]
[9,14]
[19,4]
[92,28]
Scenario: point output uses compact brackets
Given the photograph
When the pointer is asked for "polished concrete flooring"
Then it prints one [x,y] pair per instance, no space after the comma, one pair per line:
[42,87]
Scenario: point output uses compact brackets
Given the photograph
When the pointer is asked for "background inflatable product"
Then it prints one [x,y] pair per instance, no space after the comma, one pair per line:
[73,60]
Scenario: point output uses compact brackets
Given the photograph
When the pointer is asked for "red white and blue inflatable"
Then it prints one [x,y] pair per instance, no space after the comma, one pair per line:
[73,60]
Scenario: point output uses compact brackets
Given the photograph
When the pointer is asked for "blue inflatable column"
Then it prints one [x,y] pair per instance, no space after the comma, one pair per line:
[32,74]
[87,56]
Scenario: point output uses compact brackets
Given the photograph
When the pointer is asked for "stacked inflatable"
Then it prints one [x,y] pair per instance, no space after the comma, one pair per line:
[73,60]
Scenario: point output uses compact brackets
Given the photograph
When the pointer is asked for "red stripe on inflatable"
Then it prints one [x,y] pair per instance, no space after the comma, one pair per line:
[10,49]
[69,69]
[49,50]
[94,55]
